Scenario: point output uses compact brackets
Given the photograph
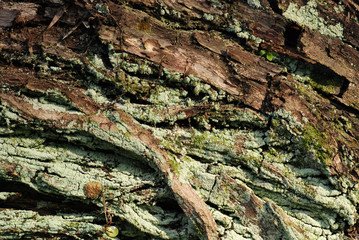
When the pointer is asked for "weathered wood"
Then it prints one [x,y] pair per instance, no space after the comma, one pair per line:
[179,119]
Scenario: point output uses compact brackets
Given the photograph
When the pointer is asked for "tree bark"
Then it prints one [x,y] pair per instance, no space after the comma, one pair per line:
[179,119]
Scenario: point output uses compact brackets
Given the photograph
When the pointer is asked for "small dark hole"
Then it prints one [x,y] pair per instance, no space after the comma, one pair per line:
[169,205]
[274,5]
[291,35]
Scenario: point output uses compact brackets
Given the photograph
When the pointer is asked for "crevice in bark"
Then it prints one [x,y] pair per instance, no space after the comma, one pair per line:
[25,198]
[47,236]
[343,88]
[168,204]
[292,35]
[275,7]
[319,74]
[342,106]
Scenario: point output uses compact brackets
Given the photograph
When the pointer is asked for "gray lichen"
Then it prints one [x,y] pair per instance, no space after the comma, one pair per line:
[278,172]
[254,3]
[29,221]
[261,175]
[308,16]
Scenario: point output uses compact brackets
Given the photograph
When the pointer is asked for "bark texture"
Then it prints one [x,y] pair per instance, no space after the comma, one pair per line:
[186,119]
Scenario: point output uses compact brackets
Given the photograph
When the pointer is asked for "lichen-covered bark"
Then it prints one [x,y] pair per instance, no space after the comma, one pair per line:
[196,119]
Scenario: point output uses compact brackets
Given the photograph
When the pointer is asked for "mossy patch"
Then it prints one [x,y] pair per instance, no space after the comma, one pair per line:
[326,81]
[319,141]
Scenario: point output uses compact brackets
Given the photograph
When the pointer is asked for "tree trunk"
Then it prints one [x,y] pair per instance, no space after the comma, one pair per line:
[179,119]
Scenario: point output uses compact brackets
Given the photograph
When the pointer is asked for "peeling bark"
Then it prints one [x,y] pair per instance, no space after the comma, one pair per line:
[179,119]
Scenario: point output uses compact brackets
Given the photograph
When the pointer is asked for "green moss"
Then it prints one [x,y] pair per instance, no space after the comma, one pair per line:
[216,139]
[319,141]
[235,118]
[268,54]
[326,81]
[252,159]
[175,165]
[174,144]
